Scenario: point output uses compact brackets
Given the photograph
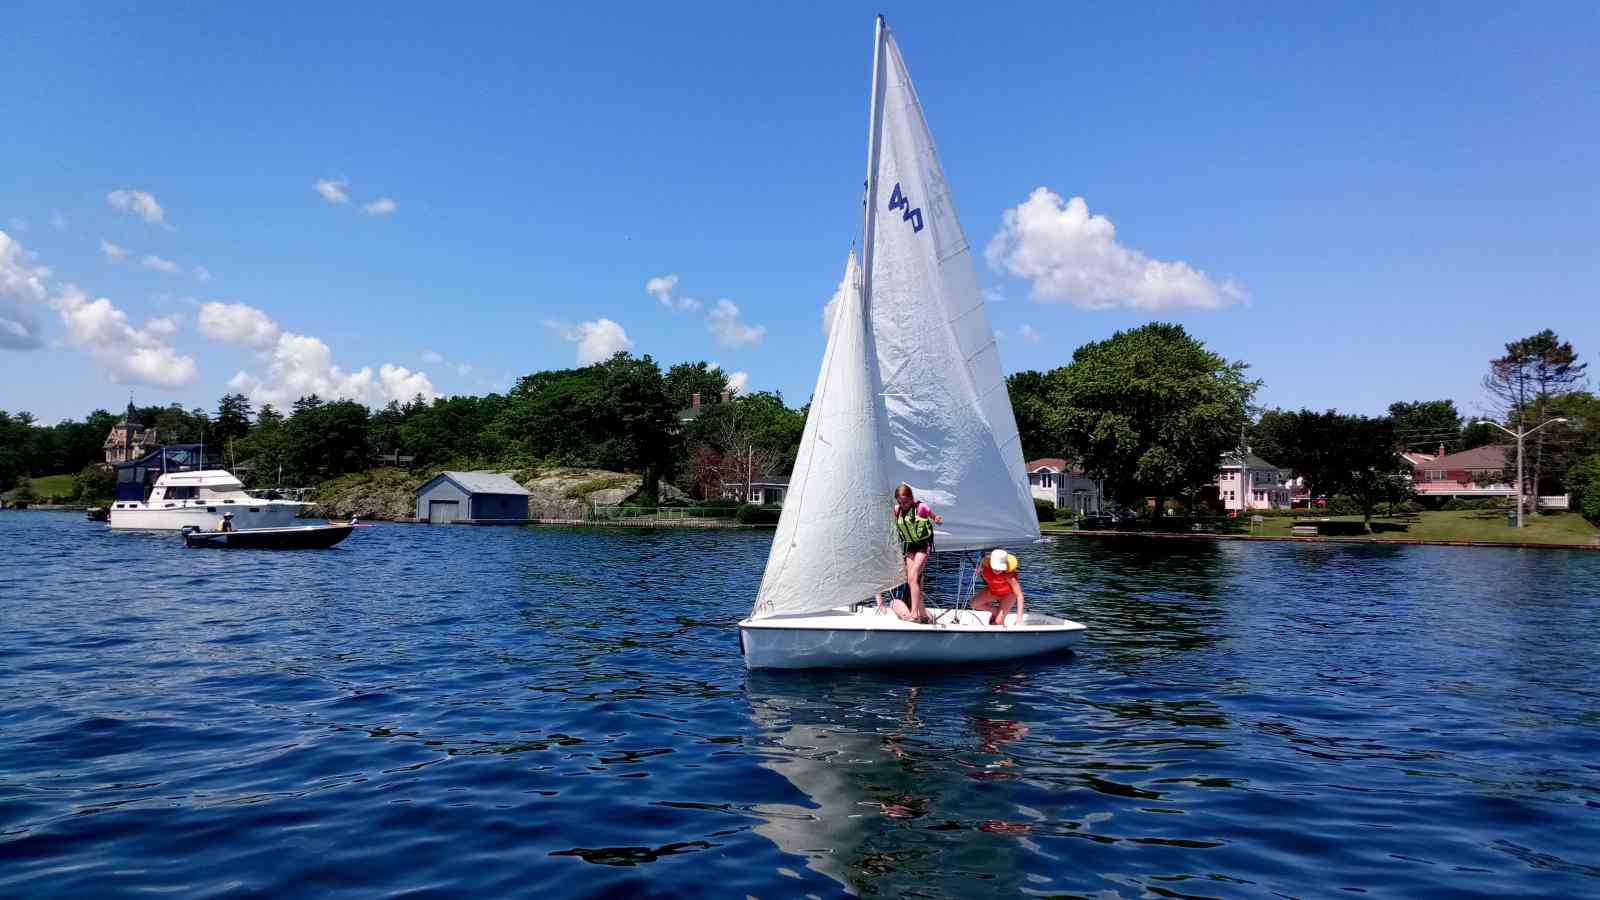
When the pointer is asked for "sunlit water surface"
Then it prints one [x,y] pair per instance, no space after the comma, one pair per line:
[448,710]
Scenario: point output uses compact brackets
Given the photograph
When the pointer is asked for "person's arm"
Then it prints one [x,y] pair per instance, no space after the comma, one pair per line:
[927,512]
[1016,585]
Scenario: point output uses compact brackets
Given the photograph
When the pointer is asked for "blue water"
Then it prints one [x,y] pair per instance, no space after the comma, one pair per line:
[451,711]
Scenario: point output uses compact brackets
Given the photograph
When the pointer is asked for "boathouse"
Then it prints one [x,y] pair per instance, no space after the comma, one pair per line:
[471,498]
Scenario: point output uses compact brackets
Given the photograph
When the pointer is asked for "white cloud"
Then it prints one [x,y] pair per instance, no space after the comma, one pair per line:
[723,321]
[737,381]
[113,252]
[159,264]
[164,326]
[332,189]
[138,203]
[661,288]
[1071,256]
[238,323]
[432,357]
[597,341]
[127,354]
[1030,334]
[382,206]
[20,276]
[299,365]
[202,273]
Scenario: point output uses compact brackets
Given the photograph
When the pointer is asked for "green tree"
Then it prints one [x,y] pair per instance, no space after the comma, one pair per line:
[96,482]
[1150,410]
[1534,371]
[1426,424]
[1027,391]
[233,418]
[1584,478]
[686,379]
[327,440]
[1337,454]
[24,492]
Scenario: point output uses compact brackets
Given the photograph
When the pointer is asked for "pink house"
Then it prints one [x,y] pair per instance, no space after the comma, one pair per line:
[1479,472]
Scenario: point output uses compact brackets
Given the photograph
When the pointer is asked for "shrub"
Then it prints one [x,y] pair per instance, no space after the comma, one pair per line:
[1585,482]
[1460,504]
[1342,505]
[1044,510]
[1409,507]
[750,514]
[95,482]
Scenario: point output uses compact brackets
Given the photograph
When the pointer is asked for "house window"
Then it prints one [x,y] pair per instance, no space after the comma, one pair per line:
[1045,480]
[1436,474]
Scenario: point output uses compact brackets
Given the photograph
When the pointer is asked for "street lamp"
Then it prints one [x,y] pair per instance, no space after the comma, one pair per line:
[1519,436]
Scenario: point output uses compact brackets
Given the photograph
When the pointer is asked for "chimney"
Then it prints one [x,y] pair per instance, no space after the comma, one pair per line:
[1441,449]
[724,396]
[694,401]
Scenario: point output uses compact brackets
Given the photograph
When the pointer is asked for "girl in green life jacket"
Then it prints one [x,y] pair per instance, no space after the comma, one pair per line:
[913,523]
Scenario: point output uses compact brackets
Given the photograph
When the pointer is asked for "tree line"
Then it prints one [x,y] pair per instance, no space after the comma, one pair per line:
[1150,410]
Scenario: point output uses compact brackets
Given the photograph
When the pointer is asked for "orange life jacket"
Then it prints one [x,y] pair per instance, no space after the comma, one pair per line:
[999,582]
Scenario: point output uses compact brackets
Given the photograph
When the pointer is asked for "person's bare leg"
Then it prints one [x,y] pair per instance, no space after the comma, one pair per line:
[983,602]
[914,567]
[900,609]
[998,617]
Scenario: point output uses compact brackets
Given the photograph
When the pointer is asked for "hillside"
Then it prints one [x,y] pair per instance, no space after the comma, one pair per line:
[559,493]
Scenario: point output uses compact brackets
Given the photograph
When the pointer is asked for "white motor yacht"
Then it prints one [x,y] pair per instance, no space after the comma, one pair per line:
[199,499]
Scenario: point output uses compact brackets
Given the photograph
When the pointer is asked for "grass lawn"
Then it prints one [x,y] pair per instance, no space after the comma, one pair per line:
[52,486]
[1466,525]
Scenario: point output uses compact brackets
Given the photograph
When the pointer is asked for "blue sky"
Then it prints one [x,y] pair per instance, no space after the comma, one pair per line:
[1395,191]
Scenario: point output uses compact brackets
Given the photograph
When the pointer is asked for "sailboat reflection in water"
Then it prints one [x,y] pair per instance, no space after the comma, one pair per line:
[911,390]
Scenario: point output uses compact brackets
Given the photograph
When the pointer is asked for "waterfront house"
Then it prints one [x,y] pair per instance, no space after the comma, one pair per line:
[1065,485]
[1246,481]
[471,497]
[1476,473]
[128,441]
[765,490]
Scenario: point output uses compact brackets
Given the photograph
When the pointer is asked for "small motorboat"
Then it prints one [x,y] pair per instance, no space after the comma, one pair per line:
[99,513]
[301,537]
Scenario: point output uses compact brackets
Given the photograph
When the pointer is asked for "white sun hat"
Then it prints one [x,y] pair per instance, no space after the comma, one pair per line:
[997,560]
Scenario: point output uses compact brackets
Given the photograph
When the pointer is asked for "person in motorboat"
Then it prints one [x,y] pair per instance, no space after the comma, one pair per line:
[913,523]
[227,522]
[1000,587]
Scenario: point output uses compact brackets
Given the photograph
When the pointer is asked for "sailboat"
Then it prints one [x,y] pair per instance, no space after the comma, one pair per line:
[910,390]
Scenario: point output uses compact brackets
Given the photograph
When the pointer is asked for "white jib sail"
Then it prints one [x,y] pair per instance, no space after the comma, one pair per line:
[950,431]
[835,543]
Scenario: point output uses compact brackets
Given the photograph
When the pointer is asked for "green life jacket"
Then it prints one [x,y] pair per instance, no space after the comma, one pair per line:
[911,527]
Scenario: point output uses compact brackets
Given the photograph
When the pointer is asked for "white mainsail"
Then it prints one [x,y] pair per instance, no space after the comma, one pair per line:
[834,542]
[910,389]
[953,436]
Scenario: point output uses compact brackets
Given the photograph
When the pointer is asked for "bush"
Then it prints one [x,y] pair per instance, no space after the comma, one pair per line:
[1044,510]
[94,483]
[750,514]
[1461,504]
[1342,505]
[1585,482]
[1409,508]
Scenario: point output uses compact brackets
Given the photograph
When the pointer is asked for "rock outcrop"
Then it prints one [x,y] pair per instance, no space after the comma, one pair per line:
[560,493]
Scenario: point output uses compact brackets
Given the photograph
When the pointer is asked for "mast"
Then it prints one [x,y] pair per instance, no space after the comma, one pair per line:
[874,144]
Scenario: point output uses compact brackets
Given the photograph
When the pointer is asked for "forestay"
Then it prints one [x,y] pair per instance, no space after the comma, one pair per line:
[834,544]
[948,417]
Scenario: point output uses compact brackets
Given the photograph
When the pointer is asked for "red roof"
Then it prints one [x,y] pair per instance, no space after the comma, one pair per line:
[1054,464]
[1490,457]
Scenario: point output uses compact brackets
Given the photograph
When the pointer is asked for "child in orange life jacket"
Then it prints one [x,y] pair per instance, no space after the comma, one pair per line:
[1001,587]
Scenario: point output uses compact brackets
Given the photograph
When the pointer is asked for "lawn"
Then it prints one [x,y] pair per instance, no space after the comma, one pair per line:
[1467,525]
[52,486]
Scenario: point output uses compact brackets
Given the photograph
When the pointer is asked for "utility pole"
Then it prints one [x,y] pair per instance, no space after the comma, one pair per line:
[1519,435]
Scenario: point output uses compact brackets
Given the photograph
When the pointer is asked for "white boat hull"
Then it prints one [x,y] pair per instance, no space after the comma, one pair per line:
[845,639]
[265,514]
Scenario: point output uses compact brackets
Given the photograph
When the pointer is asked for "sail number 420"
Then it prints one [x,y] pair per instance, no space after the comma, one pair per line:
[898,200]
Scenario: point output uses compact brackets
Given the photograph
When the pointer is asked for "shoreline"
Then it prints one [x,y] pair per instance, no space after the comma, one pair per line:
[1415,542]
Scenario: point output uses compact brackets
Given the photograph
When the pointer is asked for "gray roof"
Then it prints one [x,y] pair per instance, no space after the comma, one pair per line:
[483,483]
[1251,461]
[770,480]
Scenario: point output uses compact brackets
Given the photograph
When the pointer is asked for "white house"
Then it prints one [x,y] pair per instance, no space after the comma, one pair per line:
[1246,481]
[1064,485]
